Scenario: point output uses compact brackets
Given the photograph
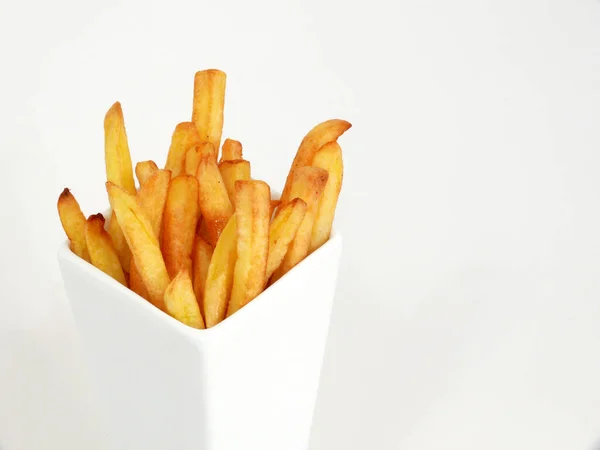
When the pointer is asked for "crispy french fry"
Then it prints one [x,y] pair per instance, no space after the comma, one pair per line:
[180,220]
[282,232]
[214,202]
[143,242]
[329,157]
[219,279]
[102,252]
[307,183]
[195,154]
[116,150]
[180,301]
[231,171]
[73,222]
[209,101]
[118,171]
[316,138]
[144,170]
[201,257]
[231,150]
[119,241]
[184,137]
[151,197]
[253,200]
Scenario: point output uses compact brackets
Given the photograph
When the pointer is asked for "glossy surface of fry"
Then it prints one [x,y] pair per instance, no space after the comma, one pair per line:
[179,224]
[253,200]
[143,243]
[144,170]
[282,232]
[219,279]
[308,184]
[184,137]
[102,252]
[316,138]
[215,206]
[231,150]
[201,257]
[329,157]
[195,154]
[116,150]
[180,301]
[231,171]
[73,222]
[209,102]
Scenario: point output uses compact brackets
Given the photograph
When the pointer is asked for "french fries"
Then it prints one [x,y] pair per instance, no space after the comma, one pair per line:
[219,279]
[231,150]
[209,102]
[282,232]
[328,131]
[201,257]
[102,252]
[116,150]
[180,220]
[118,171]
[307,183]
[184,137]
[152,197]
[180,301]
[231,171]
[329,157]
[144,170]
[214,202]
[73,222]
[200,239]
[253,200]
[195,154]
[142,241]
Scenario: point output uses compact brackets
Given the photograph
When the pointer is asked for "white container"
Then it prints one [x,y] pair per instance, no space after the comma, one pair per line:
[249,383]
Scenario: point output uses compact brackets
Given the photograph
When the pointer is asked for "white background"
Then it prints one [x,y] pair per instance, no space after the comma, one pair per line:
[468,307]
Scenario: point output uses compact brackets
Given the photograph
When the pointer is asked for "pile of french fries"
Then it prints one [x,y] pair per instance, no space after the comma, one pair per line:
[200,238]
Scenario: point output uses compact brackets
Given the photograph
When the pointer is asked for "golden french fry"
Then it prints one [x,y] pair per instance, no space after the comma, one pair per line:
[307,183]
[316,138]
[151,197]
[253,200]
[214,202]
[73,222]
[329,157]
[144,170]
[231,171]
[209,101]
[282,232]
[195,154]
[116,150]
[180,301]
[201,257]
[143,242]
[119,241]
[184,137]
[180,220]
[231,150]
[219,279]
[102,252]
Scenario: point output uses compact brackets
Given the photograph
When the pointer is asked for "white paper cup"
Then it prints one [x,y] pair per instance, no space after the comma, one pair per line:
[249,383]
